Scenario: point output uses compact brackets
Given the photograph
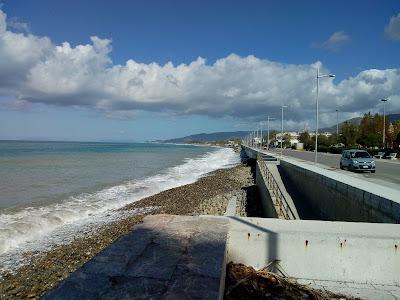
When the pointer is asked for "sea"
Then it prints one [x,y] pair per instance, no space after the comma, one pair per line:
[50,192]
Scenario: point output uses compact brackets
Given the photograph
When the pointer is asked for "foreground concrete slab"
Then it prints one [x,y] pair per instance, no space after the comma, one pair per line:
[168,257]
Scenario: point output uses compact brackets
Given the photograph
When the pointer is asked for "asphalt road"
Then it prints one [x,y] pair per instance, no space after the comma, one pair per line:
[387,172]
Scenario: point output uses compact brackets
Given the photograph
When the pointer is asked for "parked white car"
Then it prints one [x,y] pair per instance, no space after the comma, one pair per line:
[357,160]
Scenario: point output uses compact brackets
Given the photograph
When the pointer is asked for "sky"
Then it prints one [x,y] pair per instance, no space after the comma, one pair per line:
[144,70]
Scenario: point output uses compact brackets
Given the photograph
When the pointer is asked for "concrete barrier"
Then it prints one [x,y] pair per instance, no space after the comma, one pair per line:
[341,197]
[361,253]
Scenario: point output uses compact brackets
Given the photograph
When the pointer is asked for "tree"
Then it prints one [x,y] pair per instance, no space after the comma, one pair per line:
[371,129]
[349,134]
[286,140]
[304,137]
[323,140]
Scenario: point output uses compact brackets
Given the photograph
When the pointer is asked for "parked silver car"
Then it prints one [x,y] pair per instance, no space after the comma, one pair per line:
[357,160]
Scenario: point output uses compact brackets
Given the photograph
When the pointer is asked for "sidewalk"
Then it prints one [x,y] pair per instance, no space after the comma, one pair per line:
[165,257]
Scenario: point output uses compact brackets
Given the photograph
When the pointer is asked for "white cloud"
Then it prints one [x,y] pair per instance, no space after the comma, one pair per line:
[34,70]
[334,42]
[18,53]
[392,30]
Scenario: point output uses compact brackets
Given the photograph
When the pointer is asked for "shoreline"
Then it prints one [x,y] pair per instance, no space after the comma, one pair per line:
[208,195]
[44,204]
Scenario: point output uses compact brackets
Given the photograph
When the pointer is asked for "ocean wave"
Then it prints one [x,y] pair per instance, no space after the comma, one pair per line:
[33,225]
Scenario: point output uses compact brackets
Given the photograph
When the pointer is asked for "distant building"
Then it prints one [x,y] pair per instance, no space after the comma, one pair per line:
[327,134]
[257,140]
[293,137]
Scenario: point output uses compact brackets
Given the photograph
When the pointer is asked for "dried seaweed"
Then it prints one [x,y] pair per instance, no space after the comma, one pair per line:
[244,282]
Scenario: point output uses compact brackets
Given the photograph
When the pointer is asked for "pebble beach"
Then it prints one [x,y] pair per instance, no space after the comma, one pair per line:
[209,195]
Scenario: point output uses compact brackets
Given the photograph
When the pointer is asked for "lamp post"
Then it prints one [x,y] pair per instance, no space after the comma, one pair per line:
[384,125]
[283,106]
[316,112]
[268,119]
[337,127]
[255,141]
[261,132]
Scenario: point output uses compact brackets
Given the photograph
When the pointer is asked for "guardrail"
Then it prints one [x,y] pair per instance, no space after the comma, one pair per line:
[278,198]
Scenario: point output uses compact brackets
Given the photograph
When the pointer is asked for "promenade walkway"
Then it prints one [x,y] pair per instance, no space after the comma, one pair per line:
[166,257]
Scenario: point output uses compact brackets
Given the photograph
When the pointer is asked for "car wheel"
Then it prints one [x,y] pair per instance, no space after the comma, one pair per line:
[373,171]
[341,166]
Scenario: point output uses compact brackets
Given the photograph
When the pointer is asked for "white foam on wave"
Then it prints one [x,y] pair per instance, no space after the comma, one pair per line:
[33,225]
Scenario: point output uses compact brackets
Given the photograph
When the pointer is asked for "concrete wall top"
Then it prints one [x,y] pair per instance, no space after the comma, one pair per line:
[359,229]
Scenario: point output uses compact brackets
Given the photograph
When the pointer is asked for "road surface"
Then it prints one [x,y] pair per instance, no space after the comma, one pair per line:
[387,172]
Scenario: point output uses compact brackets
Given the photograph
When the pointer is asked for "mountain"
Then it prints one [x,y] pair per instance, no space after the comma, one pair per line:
[209,137]
[332,129]
[357,121]
[223,136]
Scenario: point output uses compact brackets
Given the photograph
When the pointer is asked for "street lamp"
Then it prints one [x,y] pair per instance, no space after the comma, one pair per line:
[256,139]
[383,137]
[337,127]
[316,113]
[283,106]
[268,131]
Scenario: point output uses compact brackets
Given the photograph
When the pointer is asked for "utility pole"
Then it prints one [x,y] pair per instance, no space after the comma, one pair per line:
[384,125]
[268,119]
[283,106]
[316,112]
[337,127]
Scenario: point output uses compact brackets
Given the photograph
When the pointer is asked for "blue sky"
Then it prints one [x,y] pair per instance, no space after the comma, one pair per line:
[276,45]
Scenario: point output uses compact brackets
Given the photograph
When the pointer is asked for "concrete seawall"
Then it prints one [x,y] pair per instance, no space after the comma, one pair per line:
[359,253]
[331,195]
[339,200]
[266,201]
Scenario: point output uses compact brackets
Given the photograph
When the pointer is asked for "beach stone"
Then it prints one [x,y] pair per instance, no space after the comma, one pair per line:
[165,257]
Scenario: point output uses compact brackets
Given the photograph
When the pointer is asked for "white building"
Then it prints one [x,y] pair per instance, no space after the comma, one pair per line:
[327,134]
[257,141]
[294,137]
